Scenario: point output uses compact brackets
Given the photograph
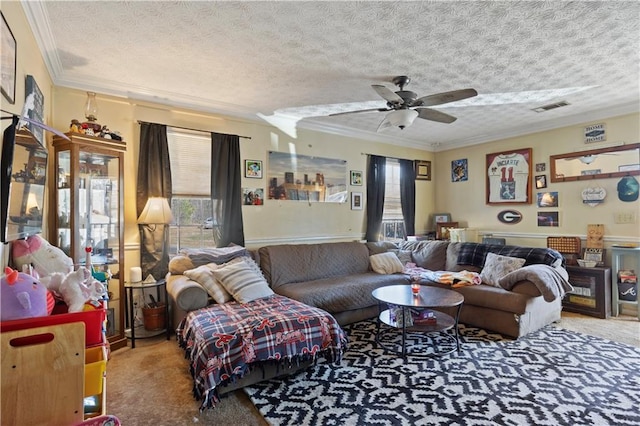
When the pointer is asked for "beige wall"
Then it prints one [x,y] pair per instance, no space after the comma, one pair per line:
[29,62]
[275,221]
[466,201]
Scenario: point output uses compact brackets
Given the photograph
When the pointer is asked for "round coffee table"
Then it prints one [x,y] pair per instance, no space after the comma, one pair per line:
[428,298]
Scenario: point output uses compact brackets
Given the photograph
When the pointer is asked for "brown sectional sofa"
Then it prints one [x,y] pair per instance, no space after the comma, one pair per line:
[337,278]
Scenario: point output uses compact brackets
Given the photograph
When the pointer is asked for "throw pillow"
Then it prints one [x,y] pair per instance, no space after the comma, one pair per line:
[385,263]
[497,266]
[203,275]
[243,280]
[178,264]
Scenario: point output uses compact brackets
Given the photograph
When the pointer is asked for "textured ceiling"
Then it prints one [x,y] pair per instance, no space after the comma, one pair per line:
[293,63]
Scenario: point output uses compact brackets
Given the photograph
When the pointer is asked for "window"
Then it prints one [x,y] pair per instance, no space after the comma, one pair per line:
[392,220]
[191,205]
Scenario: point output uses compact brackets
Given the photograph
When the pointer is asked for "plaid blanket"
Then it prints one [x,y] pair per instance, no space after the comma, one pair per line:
[223,342]
[475,254]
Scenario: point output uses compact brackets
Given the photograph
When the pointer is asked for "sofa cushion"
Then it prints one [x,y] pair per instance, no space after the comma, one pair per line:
[431,255]
[291,263]
[203,275]
[339,294]
[385,263]
[376,247]
[243,280]
[453,249]
[497,266]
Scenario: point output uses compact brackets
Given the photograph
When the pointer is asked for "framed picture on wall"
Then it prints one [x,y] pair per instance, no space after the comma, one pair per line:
[356,177]
[509,177]
[253,169]
[541,181]
[9,54]
[356,201]
[423,169]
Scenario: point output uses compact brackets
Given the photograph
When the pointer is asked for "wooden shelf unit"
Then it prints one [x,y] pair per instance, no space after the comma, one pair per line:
[592,291]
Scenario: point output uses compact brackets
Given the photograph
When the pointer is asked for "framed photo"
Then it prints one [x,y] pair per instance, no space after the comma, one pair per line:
[548,219]
[547,199]
[541,181]
[8,60]
[252,196]
[459,170]
[356,177]
[541,167]
[356,201]
[423,169]
[440,218]
[596,254]
[509,177]
[442,230]
[253,169]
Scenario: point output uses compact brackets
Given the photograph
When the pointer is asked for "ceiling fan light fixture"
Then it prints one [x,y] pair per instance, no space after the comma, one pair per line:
[587,159]
[402,117]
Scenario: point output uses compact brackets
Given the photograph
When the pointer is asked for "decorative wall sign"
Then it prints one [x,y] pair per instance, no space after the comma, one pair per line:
[508,177]
[459,170]
[8,61]
[595,133]
[510,217]
[595,236]
[423,169]
[593,196]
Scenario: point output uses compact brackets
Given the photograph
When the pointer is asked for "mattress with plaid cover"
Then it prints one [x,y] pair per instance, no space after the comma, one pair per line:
[223,342]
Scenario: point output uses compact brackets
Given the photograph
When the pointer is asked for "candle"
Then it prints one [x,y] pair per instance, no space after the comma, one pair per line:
[135,274]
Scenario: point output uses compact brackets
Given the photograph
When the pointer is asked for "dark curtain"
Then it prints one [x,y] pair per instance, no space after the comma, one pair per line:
[226,190]
[408,195]
[154,180]
[376,178]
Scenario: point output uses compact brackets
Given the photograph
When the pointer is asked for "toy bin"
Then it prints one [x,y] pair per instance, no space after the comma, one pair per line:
[94,369]
[93,323]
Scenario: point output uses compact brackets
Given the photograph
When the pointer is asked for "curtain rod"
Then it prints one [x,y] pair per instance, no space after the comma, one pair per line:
[188,128]
[386,156]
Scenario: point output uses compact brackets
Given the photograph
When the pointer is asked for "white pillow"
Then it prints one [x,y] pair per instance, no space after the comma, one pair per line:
[243,280]
[203,275]
[385,263]
[497,266]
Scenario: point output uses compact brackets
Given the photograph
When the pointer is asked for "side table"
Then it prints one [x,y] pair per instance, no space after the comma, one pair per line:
[134,331]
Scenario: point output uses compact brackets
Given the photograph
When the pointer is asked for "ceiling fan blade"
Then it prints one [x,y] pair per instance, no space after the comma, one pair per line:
[360,110]
[445,97]
[385,124]
[388,94]
[433,115]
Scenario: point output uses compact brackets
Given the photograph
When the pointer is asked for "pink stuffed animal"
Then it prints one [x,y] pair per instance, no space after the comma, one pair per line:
[45,258]
[23,296]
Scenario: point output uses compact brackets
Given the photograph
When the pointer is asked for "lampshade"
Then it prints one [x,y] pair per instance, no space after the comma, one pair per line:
[402,117]
[156,211]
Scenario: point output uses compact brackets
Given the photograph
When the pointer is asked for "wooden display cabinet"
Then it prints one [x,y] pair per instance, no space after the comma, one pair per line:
[87,205]
[592,291]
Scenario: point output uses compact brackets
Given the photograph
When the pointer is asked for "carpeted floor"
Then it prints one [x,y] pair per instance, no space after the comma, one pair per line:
[151,385]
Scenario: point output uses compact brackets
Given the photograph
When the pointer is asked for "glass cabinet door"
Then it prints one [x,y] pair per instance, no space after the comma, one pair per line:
[88,215]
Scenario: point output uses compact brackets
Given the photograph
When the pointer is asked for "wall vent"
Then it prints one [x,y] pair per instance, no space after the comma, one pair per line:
[551,106]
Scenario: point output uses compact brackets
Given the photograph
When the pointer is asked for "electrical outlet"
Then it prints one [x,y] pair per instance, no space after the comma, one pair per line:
[625,217]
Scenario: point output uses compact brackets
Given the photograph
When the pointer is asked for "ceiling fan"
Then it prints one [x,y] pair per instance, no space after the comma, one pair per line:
[405,105]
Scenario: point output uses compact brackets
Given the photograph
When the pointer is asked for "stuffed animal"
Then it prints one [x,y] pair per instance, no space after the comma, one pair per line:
[45,258]
[23,296]
[75,288]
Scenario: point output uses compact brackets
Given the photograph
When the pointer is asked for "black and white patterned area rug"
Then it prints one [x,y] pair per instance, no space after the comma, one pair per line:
[550,377]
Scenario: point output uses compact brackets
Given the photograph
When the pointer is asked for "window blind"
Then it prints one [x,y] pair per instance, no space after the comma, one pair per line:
[190,156]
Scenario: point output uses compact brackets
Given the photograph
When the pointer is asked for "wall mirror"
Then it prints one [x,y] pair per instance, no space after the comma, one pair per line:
[612,162]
